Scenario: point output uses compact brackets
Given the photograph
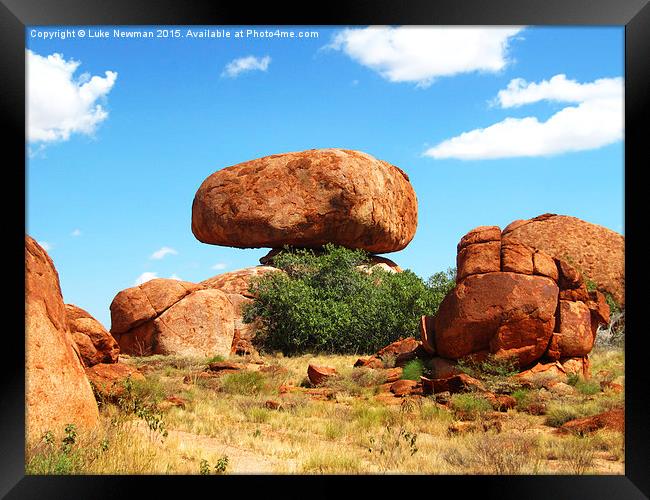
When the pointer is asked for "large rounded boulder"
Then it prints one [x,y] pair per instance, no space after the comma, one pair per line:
[307,199]
[94,342]
[507,314]
[57,391]
[598,252]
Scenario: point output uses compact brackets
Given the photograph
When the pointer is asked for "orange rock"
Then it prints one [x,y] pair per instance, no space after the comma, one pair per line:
[500,402]
[109,378]
[393,374]
[403,346]
[133,306]
[517,258]
[238,282]
[575,337]
[577,366]
[307,199]
[508,313]
[95,344]
[613,420]
[427,337]
[477,259]
[544,265]
[481,234]
[597,251]
[371,362]
[57,391]
[319,374]
[404,387]
[443,368]
[543,373]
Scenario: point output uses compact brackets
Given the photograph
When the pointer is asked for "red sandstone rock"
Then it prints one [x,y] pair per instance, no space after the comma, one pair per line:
[510,314]
[307,199]
[226,367]
[578,366]
[95,344]
[599,309]
[517,258]
[443,368]
[613,420]
[543,373]
[477,259]
[597,251]
[575,337]
[403,346]
[457,383]
[500,402]
[544,265]
[201,324]
[237,282]
[481,234]
[133,306]
[427,336]
[404,387]
[109,378]
[371,362]
[393,374]
[57,391]
[575,294]
[319,374]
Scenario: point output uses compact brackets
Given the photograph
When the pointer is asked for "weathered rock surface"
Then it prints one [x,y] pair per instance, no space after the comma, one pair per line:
[136,305]
[307,199]
[57,391]
[512,315]
[237,282]
[612,420]
[200,324]
[595,250]
[94,342]
[319,374]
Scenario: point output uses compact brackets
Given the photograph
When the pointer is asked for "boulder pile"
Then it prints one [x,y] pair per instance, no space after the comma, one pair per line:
[514,301]
[304,199]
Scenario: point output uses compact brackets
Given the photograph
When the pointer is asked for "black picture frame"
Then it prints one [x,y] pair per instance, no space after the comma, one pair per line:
[633,14]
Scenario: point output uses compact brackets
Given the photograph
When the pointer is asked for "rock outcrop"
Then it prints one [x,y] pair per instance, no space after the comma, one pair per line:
[513,301]
[166,316]
[596,251]
[94,342]
[307,199]
[57,391]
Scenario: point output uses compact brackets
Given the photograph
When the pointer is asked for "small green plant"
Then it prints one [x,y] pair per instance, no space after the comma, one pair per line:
[221,465]
[70,438]
[559,414]
[572,379]
[491,366]
[204,467]
[468,405]
[413,370]
[214,359]
[587,387]
[393,446]
[244,382]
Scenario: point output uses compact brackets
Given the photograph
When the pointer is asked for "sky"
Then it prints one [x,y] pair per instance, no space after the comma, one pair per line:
[491,124]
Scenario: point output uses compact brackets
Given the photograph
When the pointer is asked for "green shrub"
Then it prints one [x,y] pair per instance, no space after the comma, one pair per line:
[469,405]
[559,414]
[587,387]
[244,382]
[323,303]
[413,370]
[491,366]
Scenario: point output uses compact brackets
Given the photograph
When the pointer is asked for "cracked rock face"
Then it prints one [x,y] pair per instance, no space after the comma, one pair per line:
[307,199]
[57,391]
[94,342]
[514,301]
[595,250]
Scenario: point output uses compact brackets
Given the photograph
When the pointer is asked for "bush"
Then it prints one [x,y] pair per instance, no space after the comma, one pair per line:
[469,405]
[413,370]
[244,382]
[323,303]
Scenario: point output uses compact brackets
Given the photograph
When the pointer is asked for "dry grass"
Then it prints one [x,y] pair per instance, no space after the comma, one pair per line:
[225,421]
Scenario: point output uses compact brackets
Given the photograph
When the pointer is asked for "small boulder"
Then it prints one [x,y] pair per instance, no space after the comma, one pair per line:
[109,379]
[319,374]
[457,383]
[95,344]
[404,387]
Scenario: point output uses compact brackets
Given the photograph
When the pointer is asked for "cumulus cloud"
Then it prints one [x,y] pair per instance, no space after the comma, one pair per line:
[144,277]
[76,232]
[244,64]
[596,120]
[159,254]
[59,105]
[219,266]
[421,54]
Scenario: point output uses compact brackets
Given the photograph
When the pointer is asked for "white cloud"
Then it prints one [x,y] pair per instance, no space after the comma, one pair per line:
[76,232]
[175,276]
[59,105]
[144,277]
[421,54]
[219,266]
[159,254]
[597,120]
[243,64]
[46,246]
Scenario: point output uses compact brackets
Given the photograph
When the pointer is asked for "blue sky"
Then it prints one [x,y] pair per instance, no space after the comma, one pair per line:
[113,165]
